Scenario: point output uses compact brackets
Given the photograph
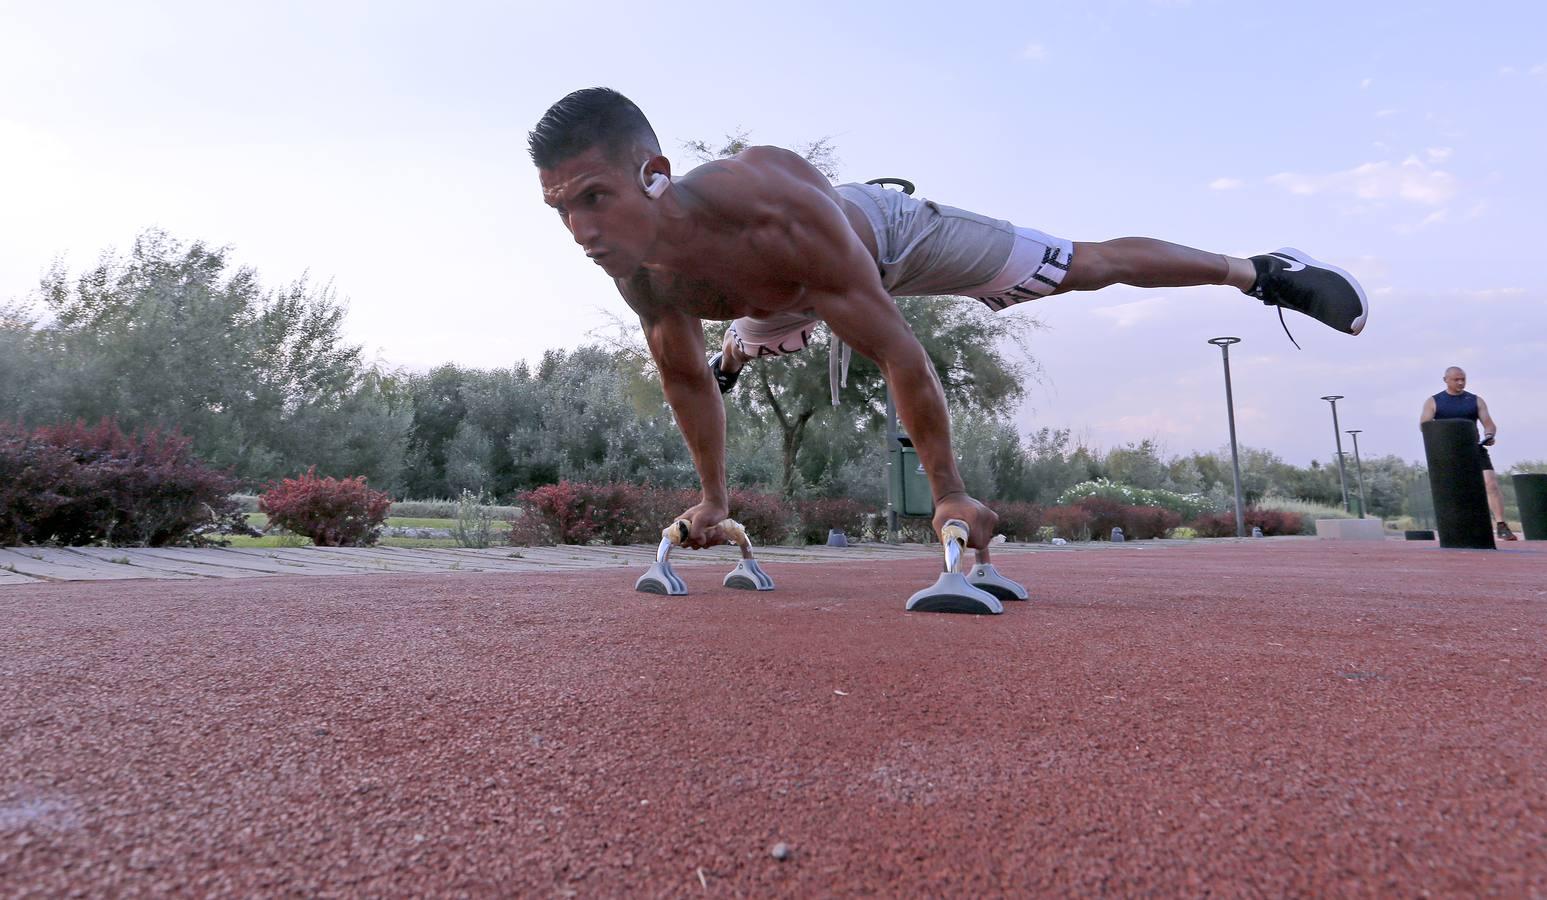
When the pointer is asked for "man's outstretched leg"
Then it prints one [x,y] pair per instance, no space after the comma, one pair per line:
[1286,278]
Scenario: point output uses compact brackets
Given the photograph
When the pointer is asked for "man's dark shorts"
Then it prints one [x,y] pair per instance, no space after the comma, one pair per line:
[1487,460]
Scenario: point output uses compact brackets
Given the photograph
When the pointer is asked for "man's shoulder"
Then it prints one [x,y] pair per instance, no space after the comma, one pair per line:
[751,175]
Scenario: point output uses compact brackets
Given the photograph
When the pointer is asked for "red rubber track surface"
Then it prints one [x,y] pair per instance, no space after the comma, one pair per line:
[1254,718]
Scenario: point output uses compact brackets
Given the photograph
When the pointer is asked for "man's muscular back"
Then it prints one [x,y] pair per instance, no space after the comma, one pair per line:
[764,232]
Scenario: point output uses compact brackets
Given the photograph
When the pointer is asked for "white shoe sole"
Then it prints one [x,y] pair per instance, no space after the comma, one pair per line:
[1364,301]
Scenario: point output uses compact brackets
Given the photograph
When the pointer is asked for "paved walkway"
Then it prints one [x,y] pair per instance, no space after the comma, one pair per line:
[29,565]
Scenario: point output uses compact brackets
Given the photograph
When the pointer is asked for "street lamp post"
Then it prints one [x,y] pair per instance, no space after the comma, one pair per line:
[1338,437]
[1358,468]
[1223,343]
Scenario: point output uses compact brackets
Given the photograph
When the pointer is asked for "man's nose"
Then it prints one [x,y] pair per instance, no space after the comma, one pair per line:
[583,229]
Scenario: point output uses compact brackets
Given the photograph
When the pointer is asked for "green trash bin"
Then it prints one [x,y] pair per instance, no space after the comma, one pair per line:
[1531,497]
[910,486]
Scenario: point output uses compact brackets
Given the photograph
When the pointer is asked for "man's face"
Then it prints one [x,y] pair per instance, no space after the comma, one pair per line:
[1455,381]
[602,205]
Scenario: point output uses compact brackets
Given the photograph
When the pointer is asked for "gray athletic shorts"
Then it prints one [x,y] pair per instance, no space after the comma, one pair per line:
[930,248]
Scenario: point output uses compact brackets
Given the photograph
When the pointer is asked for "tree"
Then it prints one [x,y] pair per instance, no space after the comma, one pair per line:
[171,335]
[1139,465]
[1053,466]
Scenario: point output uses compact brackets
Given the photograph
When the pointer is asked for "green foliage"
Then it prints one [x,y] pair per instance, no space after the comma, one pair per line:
[174,335]
[438,509]
[474,525]
[583,415]
[1053,466]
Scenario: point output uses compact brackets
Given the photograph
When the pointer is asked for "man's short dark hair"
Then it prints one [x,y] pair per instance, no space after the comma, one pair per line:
[593,117]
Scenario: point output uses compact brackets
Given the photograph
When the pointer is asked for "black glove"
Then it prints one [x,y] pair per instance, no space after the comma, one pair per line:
[1487,440]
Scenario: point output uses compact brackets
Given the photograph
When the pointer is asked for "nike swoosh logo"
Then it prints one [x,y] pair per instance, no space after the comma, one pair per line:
[1290,263]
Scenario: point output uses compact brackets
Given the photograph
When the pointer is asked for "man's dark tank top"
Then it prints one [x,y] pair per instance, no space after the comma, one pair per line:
[1460,406]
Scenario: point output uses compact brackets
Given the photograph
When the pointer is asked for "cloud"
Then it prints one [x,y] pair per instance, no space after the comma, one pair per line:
[1225,184]
[1504,293]
[1438,154]
[1385,113]
[1411,180]
[1365,84]
[1126,315]
[1035,52]
[1539,69]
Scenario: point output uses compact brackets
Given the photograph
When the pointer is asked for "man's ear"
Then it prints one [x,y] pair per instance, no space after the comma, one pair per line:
[655,176]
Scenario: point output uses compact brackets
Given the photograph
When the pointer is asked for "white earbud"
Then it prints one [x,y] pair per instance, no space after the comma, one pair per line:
[657,184]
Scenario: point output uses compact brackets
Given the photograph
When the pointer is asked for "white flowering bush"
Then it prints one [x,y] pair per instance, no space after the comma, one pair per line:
[1188,506]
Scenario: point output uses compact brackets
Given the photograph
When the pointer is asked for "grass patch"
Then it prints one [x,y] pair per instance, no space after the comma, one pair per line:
[261,521]
[408,543]
[271,541]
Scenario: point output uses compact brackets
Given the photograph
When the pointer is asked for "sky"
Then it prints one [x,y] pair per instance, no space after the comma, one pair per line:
[381,147]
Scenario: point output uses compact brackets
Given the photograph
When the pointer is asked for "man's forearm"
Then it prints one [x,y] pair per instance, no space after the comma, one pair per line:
[921,406]
[700,417]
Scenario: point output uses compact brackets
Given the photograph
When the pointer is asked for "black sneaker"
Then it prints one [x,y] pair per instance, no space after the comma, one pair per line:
[725,380]
[1504,534]
[1289,278]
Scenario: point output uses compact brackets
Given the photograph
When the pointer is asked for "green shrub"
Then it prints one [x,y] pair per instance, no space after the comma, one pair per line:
[474,525]
[442,509]
[332,512]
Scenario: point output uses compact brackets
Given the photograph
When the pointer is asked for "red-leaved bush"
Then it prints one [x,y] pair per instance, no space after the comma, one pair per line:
[1105,515]
[820,515]
[1019,521]
[578,513]
[1271,521]
[333,512]
[766,517]
[1072,523]
[573,512]
[78,484]
[1145,522]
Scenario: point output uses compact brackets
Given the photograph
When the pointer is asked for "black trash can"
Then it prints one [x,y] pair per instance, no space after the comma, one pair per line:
[1456,480]
[1531,495]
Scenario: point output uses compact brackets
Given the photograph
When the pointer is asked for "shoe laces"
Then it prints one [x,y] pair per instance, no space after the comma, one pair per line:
[1286,327]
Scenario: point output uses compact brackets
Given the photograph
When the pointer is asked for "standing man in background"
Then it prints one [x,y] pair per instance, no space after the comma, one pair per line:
[1456,402]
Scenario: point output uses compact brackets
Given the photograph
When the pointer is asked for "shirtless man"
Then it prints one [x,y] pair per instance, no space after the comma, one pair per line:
[764,239]
[1456,402]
